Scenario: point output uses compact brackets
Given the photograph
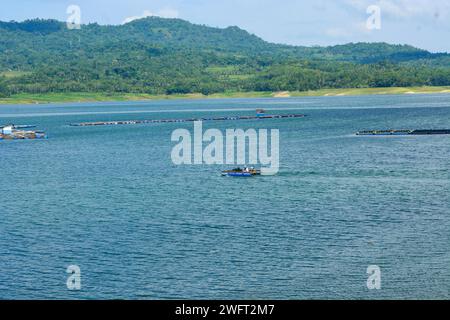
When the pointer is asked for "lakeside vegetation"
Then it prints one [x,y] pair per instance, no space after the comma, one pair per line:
[25,98]
[42,61]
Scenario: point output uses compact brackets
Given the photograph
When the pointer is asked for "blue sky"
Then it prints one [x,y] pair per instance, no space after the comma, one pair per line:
[422,23]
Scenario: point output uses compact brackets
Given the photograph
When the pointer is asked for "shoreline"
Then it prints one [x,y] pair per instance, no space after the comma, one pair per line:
[29,99]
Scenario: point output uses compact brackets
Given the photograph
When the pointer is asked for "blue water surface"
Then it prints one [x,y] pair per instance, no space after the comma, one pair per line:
[110,200]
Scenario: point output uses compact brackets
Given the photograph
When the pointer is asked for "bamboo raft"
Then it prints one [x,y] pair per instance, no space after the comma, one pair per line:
[131,122]
[403,132]
[23,135]
[11,132]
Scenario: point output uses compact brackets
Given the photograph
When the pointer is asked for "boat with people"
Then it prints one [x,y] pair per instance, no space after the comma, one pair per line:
[13,132]
[244,172]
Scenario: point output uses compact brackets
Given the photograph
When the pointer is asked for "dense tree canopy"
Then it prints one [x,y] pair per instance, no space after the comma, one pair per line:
[155,55]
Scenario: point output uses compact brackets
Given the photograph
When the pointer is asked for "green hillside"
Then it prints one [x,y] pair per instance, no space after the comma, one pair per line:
[172,56]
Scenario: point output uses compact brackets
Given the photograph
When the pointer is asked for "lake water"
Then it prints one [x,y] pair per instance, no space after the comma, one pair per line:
[109,200]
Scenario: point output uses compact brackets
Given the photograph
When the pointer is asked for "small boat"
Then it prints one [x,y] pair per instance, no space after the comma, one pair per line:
[24,126]
[238,172]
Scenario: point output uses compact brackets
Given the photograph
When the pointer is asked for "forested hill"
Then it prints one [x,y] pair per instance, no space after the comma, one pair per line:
[166,56]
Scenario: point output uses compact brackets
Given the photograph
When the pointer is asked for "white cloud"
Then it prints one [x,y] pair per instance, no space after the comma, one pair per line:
[407,8]
[163,13]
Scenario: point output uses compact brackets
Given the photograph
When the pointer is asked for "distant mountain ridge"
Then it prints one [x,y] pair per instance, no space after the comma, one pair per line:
[156,55]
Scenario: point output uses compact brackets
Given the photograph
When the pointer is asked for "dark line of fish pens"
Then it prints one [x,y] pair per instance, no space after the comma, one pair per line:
[418,132]
[117,123]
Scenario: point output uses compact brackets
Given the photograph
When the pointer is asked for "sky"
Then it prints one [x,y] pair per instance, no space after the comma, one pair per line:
[421,23]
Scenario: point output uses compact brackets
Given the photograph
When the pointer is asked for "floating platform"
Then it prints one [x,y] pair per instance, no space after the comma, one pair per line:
[130,122]
[403,132]
[23,135]
[11,132]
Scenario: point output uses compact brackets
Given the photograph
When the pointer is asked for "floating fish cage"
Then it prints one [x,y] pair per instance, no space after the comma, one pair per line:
[259,116]
[403,132]
[10,132]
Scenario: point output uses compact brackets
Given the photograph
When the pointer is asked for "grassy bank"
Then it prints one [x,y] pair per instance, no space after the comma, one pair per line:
[93,97]
[372,91]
